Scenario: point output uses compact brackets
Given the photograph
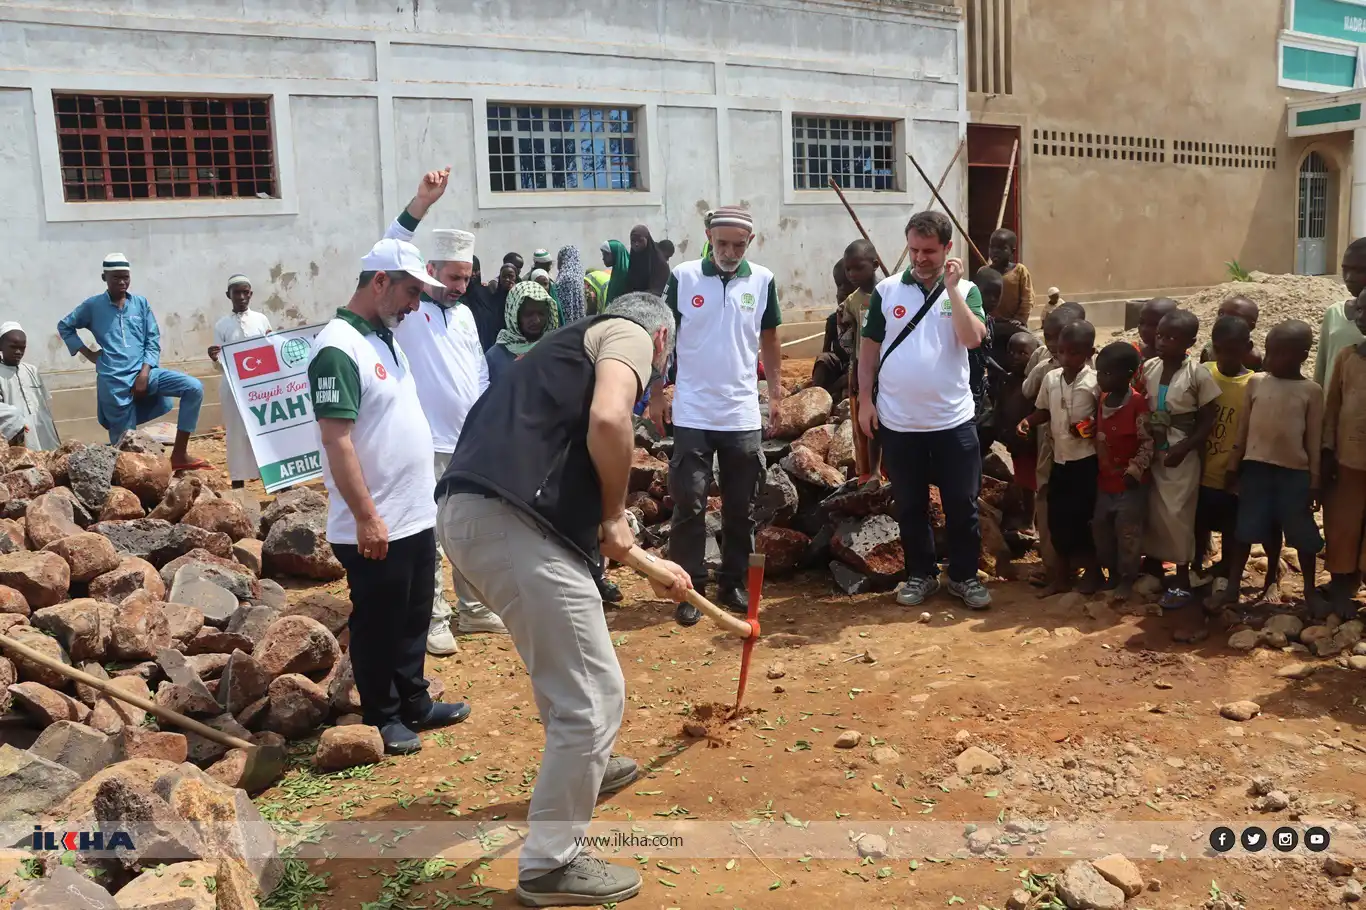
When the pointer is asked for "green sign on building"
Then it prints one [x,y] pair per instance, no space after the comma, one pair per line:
[1330,19]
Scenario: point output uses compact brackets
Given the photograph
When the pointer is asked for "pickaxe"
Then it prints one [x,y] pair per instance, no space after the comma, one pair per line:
[747,628]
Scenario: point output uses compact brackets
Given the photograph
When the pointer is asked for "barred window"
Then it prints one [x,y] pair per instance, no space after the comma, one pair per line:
[859,154]
[563,148]
[155,147]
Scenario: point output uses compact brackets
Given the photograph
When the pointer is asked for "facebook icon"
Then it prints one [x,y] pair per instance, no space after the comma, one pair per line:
[1222,839]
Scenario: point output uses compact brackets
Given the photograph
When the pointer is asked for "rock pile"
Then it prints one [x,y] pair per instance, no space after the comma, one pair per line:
[810,513]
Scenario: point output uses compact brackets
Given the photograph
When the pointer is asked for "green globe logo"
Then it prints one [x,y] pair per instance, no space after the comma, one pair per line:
[294,351]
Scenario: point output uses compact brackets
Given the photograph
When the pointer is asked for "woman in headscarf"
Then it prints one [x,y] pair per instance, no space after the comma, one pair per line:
[528,316]
[570,282]
[617,258]
[486,307]
[649,269]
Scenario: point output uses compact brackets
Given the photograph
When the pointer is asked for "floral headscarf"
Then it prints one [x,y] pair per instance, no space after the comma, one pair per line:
[511,335]
[569,282]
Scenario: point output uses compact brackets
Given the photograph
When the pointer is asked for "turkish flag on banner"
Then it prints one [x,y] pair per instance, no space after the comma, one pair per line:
[256,362]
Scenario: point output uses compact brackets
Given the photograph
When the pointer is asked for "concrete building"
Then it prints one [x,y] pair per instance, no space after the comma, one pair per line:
[278,137]
[1160,139]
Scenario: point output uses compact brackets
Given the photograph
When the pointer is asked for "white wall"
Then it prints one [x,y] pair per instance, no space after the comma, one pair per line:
[367,96]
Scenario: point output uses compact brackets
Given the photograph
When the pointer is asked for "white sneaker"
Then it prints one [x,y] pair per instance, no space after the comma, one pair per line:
[470,622]
[440,641]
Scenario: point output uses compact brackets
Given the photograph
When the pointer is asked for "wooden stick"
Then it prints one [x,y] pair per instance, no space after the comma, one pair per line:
[947,211]
[648,566]
[859,224]
[905,250]
[1010,175]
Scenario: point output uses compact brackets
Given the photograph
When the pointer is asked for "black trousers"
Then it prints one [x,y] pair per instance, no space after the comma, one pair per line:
[391,610]
[952,461]
[1072,495]
[690,470]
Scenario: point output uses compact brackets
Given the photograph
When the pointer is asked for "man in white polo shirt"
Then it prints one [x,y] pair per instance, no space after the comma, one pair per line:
[728,316]
[377,465]
[442,344]
[914,392]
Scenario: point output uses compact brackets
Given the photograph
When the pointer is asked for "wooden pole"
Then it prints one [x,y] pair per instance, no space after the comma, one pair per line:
[858,224]
[942,180]
[947,211]
[1010,177]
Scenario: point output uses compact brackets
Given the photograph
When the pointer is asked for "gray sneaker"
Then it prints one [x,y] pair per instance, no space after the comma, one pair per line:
[971,592]
[620,772]
[584,881]
[916,591]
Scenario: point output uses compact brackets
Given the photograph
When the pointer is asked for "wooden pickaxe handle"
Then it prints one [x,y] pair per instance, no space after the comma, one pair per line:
[649,566]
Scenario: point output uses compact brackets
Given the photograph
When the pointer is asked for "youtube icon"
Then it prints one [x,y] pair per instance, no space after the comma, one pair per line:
[256,362]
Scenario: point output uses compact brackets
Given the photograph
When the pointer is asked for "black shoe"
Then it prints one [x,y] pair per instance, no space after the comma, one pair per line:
[442,714]
[608,590]
[736,600]
[685,614]
[399,740]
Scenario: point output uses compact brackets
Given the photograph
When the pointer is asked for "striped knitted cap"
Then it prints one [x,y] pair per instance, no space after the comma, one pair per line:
[731,216]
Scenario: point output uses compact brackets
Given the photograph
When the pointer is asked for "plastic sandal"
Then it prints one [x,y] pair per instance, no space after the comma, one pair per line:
[1176,598]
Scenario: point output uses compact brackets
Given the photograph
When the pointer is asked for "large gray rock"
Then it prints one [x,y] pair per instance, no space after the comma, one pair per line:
[1081,887]
[226,573]
[159,541]
[777,501]
[202,751]
[194,585]
[77,747]
[252,621]
[91,473]
[272,595]
[871,545]
[849,581]
[66,889]
[243,681]
[294,501]
[297,545]
[181,672]
[30,784]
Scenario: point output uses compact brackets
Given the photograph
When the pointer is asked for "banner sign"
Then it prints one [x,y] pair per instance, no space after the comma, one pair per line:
[269,382]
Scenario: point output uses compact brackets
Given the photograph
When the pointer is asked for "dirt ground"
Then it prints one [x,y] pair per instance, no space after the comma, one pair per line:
[1099,718]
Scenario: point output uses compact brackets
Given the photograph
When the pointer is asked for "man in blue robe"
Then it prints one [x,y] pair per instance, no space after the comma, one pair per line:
[131,387]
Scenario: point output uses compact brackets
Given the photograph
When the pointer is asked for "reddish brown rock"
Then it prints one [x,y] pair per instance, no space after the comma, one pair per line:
[43,578]
[9,675]
[297,644]
[207,666]
[817,439]
[111,716]
[192,701]
[148,476]
[329,609]
[132,574]
[183,621]
[204,751]
[46,705]
[80,625]
[224,516]
[27,483]
[45,645]
[340,748]
[646,470]
[871,545]
[12,601]
[856,500]
[49,519]
[228,574]
[139,629]
[121,504]
[87,554]
[297,706]
[648,506]
[217,641]
[783,549]
[242,682]
[805,465]
[183,493]
[297,545]
[13,534]
[139,742]
[230,769]
[88,695]
[341,687]
[841,452]
[247,551]
[802,411]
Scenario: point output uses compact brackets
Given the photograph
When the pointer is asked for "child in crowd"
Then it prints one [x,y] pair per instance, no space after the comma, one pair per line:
[1124,446]
[1041,362]
[1017,295]
[1182,396]
[1013,406]
[1344,472]
[1339,331]
[831,369]
[1245,309]
[1148,318]
[980,378]
[860,269]
[1067,402]
[1276,459]
[1216,510]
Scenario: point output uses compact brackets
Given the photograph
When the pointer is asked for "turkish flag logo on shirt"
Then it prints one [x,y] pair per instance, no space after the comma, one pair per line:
[256,361]
[698,300]
[899,311]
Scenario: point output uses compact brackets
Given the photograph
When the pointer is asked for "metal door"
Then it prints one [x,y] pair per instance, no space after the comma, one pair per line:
[1311,246]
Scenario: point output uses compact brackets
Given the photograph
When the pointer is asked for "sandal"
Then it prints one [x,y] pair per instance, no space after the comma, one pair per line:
[194,464]
[1175,599]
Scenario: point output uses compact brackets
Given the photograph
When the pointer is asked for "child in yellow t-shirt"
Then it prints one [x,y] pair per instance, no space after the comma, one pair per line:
[1216,511]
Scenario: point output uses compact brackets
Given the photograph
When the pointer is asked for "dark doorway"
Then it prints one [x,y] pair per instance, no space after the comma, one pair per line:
[989,153]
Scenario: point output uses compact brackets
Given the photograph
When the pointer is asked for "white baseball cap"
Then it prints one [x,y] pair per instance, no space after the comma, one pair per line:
[390,255]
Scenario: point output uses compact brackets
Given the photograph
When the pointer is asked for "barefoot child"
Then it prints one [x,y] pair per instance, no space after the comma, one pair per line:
[860,269]
[1245,309]
[1067,403]
[1182,397]
[1276,458]
[1124,446]
[1344,472]
[1216,510]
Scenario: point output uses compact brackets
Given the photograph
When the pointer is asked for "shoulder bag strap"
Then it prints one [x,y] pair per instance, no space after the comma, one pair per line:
[930,301]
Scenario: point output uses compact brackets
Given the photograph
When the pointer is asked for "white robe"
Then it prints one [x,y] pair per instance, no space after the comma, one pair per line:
[238,327]
[22,389]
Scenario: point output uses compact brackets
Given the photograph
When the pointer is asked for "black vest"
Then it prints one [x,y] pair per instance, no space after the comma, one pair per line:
[526,440]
